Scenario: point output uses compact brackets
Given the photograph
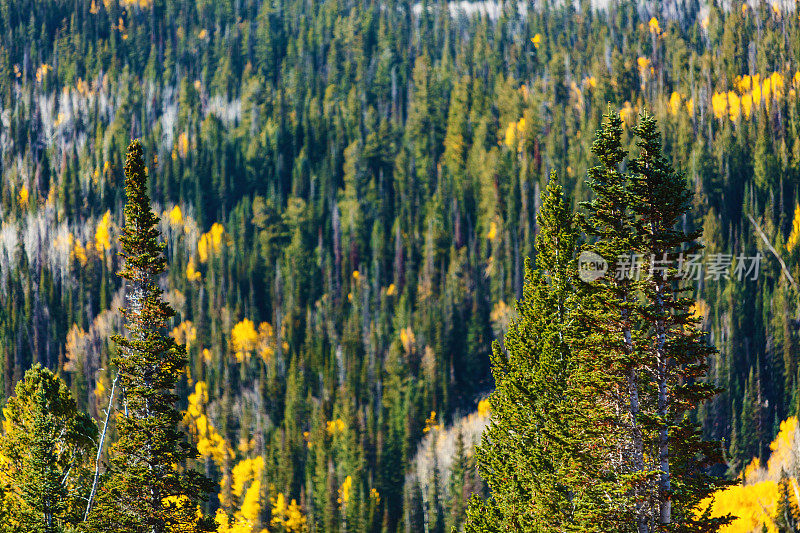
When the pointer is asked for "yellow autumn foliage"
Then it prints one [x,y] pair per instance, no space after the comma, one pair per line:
[407,339]
[655,28]
[345,491]
[211,241]
[191,271]
[176,217]
[794,236]
[492,233]
[335,427]
[754,502]
[536,40]
[719,105]
[102,236]
[183,144]
[41,72]
[753,505]
[209,442]
[245,340]
[185,333]
[22,197]
[290,516]
[734,107]
[484,408]
[430,423]
[77,250]
[675,103]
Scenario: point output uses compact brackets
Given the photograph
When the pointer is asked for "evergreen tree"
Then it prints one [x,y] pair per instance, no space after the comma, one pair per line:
[530,455]
[45,450]
[645,331]
[149,488]
[674,350]
[787,512]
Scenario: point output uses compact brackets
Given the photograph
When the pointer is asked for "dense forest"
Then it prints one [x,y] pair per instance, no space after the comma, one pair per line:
[348,192]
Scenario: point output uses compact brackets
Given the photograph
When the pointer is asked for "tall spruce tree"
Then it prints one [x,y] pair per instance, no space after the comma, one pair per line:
[534,453]
[642,327]
[610,342]
[149,488]
[675,352]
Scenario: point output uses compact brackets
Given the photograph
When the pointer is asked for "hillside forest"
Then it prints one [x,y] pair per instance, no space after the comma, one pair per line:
[347,193]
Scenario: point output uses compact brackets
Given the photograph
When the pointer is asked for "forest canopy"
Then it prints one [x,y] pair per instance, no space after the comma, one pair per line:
[347,193]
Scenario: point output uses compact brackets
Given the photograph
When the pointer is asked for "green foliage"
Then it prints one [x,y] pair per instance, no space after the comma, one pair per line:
[46,448]
[148,487]
[334,137]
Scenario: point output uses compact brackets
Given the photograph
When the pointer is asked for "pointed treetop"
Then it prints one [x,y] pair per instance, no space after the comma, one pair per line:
[141,249]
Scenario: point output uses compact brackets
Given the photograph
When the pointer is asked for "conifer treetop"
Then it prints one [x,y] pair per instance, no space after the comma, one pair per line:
[141,249]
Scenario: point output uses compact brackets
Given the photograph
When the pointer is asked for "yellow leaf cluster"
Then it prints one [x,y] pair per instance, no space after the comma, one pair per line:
[514,134]
[391,290]
[290,516]
[209,442]
[191,271]
[335,427]
[655,28]
[345,491]
[719,105]
[42,71]
[484,408]
[176,217]
[750,92]
[211,241]
[102,236]
[794,236]
[753,505]
[22,197]
[754,501]
[536,40]
[77,250]
[245,340]
[183,144]
[430,423]
[185,333]
[675,103]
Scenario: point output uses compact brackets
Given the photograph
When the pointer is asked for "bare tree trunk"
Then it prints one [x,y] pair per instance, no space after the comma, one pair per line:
[100,451]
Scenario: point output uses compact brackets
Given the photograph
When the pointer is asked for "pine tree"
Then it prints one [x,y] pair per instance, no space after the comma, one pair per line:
[642,327]
[787,512]
[45,450]
[611,340]
[148,488]
[674,349]
[531,455]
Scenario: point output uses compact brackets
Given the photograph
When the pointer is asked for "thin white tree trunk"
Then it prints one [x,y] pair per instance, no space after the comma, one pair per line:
[100,451]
